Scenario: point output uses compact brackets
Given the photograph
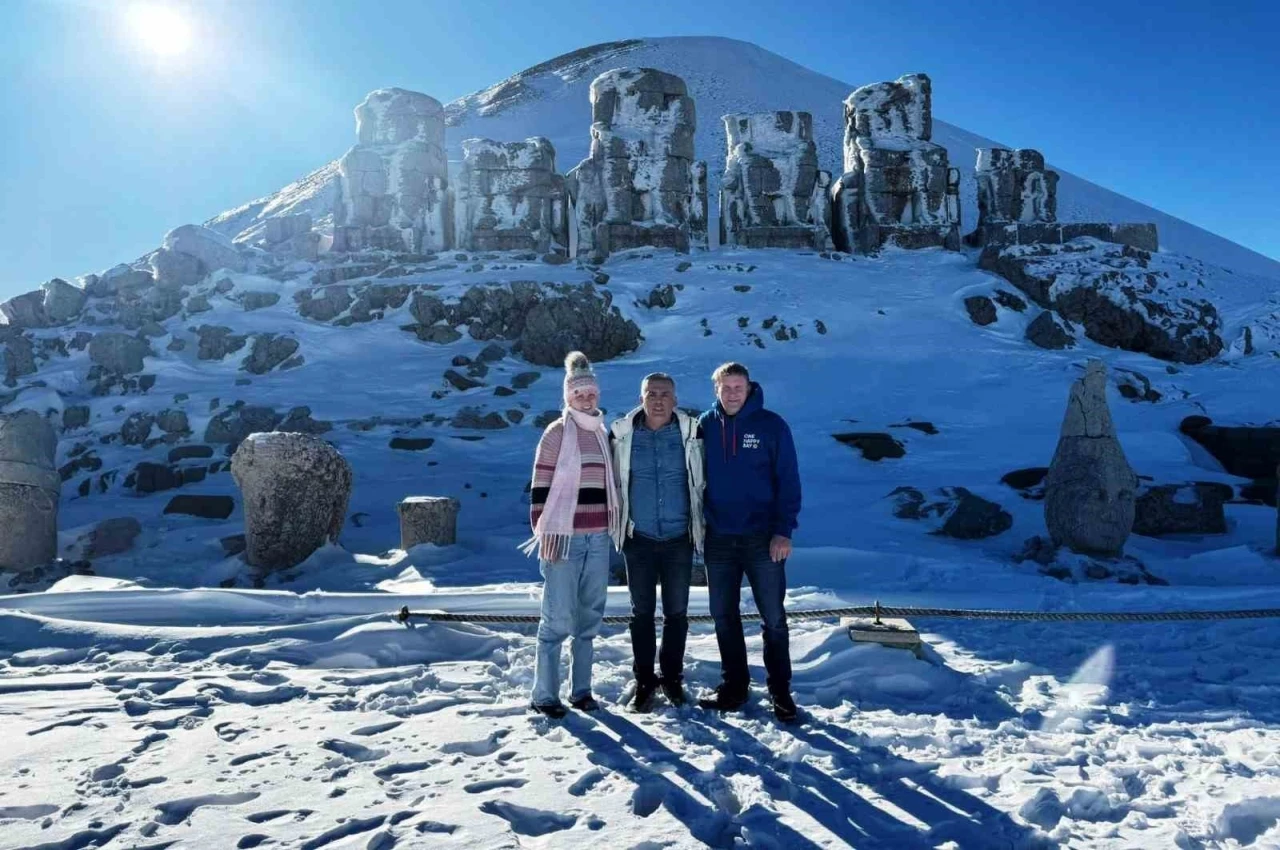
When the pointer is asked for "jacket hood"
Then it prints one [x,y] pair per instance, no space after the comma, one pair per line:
[753,404]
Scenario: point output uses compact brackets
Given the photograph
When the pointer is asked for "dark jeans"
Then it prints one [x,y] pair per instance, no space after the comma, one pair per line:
[729,557]
[650,562]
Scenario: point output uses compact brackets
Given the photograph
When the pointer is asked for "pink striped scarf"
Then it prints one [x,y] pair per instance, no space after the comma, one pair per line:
[554,533]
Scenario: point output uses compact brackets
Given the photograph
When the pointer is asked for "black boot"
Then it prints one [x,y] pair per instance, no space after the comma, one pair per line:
[554,710]
[587,703]
[642,702]
[784,707]
[673,688]
[725,699]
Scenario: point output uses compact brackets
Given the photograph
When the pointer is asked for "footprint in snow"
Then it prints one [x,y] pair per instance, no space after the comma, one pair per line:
[176,811]
[528,821]
[492,784]
[486,747]
[353,751]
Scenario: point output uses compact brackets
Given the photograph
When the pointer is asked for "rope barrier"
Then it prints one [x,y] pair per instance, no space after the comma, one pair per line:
[877,611]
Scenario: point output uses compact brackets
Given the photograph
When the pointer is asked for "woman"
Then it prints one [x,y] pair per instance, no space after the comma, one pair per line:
[575,511]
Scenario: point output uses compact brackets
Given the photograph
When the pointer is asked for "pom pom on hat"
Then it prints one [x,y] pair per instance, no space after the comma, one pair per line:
[578,375]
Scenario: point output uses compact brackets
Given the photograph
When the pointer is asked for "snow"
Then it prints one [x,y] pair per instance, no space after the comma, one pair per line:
[169,699]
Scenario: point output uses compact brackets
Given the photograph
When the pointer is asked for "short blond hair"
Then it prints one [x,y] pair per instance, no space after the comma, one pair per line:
[724,370]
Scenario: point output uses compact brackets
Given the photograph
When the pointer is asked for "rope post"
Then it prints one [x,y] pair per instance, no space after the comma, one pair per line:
[877,621]
[403,615]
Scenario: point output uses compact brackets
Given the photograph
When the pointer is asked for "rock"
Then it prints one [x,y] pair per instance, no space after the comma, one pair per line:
[578,319]
[299,421]
[1067,566]
[25,311]
[640,184]
[981,310]
[232,545]
[1135,386]
[75,416]
[29,490]
[234,424]
[285,228]
[874,446]
[555,258]
[503,392]
[118,353]
[471,417]
[150,477]
[491,353]
[773,194]
[1090,489]
[136,429]
[1046,332]
[217,341]
[600,279]
[254,300]
[223,286]
[174,270]
[1028,481]
[207,507]
[515,416]
[1195,508]
[62,301]
[923,427]
[412,444]
[269,351]
[509,197]
[296,488]
[1249,452]
[211,248]
[662,297]
[393,185]
[898,187]
[325,303]
[962,514]
[19,355]
[428,519]
[173,422]
[1014,189]
[112,537]
[545,418]
[524,380]
[190,453]
[1010,301]
[460,381]
[1123,297]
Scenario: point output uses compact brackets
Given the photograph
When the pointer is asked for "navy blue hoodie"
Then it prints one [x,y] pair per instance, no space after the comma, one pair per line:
[753,479]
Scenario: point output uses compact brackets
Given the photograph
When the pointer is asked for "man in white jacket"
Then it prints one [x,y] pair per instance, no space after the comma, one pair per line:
[658,456]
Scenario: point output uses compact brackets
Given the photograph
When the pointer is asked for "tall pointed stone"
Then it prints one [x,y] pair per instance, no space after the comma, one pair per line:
[1090,489]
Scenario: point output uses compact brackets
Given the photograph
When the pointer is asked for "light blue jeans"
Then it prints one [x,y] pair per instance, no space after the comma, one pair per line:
[573,599]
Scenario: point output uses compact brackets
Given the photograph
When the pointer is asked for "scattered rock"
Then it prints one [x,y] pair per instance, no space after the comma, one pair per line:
[874,446]
[174,270]
[1009,301]
[460,381]
[136,429]
[118,353]
[1047,332]
[206,507]
[1195,508]
[524,380]
[1028,481]
[325,303]
[173,422]
[503,392]
[269,351]
[111,537]
[299,421]
[150,477]
[491,353]
[255,300]
[75,416]
[217,341]
[1249,452]
[213,249]
[963,515]
[235,423]
[981,309]
[472,418]
[232,545]
[545,418]
[922,427]
[29,489]
[412,444]
[192,452]
[661,297]
[683,266]
[1135,386]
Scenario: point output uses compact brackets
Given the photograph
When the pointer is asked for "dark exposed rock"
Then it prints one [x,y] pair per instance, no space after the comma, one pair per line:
[460,381]
[207,507]
[412,444]
[1009,301]
[136,429]
[545,418]
[1046,332]
[235,423]
[491,353]
[258,300]
[75,416]
[190,453]
[661,297]
[217,341]
[874,446]
[173,422]
[118,353]
[1029,481]
[150,477]
[269,351]
[981,309]
[963,515]
[472,418]
[1195,508]
[524,380]
[325,303]
[1250,452]
[503,392]
[299,421]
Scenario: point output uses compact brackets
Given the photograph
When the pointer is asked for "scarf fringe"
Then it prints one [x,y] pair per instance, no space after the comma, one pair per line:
[550,547]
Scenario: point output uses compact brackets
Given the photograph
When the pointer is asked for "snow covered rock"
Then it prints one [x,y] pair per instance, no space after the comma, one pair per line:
[29,490]
[111,537]
[237,422]
[898,187]
[1123,297]
[575,319]
[269,351]
[1250,452]
[1045,331]
[174,270]
[393,190]
[955,513]
[18,355]
[773,195]
[295,489]
[1195,508]
[54,303]
[118,353]
[1090,488]
[508,197]
[640,185]
[428,519]
[211,248]
[291,236]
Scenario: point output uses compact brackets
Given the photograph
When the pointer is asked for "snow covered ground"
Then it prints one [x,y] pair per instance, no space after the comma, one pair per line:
[167,701]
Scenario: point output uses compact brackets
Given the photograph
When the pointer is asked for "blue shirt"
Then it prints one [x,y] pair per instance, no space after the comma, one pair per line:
[659,487]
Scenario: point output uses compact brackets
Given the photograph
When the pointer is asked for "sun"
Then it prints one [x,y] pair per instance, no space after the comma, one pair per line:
[160,29]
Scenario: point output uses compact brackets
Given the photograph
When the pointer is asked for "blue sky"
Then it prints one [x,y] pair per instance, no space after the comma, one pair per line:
[107,145]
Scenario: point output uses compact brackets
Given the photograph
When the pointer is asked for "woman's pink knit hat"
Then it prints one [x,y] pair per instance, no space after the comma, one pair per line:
[578,375]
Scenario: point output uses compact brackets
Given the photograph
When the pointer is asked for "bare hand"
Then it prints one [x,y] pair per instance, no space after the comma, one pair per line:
[779,548]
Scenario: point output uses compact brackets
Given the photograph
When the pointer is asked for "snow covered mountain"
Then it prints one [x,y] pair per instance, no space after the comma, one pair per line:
[551,99]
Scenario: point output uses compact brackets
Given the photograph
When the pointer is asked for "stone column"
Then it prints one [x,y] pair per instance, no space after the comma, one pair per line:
[29,489]
[295,488]
[1090,490]
[428,519]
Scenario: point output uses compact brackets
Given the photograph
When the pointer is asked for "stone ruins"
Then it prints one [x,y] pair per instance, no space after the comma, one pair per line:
[509,197]
[898,187]
[640,185]
[29,490]
[393,187]
[773,195]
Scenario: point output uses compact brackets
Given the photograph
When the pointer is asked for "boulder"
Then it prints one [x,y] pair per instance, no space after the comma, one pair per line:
[1028,482]
[174,270]
[29,490]
[75,416]
[19,355]
[1249,452]
[1090,489]
[299,420]
[295,488]
[206,507]
[269,351]
[773,195]
[193,452]
[217,341]
[136,429]
[473,418]
[62,301]
[239,421]
[576,319]
[1123,297]
[956,512]
[981,309]
[210,247]
[1045,331]
[324,303]
[173,422]
[874,446]
[111,537]
[640,184]
[118,353]
[256,300]
[148,477]
[25,311]
[1195,508]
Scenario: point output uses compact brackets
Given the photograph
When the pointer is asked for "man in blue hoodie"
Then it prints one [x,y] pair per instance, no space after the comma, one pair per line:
[751,503]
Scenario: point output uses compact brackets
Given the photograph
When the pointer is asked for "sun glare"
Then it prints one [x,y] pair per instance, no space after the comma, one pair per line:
[160,29]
